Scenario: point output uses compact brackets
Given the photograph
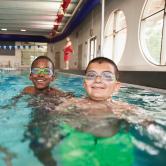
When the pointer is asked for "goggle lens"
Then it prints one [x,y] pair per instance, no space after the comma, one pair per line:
[45,71]
[106,75]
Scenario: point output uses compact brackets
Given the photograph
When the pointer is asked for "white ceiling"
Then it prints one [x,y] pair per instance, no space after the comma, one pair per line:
[38,17]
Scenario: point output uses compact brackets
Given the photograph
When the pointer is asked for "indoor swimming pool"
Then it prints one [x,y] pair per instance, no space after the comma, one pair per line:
[31,136]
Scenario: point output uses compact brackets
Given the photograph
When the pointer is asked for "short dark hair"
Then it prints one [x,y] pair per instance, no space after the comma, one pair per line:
[101,60]
[43,57]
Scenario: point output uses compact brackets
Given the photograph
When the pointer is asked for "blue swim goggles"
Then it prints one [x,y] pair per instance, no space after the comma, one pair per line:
[45,71]
[105,75]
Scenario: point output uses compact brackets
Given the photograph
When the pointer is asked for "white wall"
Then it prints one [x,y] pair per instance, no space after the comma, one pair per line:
[132,59]
[53,48]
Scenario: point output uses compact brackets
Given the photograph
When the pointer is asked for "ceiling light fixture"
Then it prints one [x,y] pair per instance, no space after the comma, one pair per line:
[23,30]
[3,29]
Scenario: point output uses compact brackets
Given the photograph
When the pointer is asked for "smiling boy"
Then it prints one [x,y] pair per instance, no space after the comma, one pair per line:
[101,79]
[41,74]
[100,83]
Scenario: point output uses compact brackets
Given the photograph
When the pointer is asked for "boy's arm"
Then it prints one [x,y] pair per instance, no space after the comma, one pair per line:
[131,113]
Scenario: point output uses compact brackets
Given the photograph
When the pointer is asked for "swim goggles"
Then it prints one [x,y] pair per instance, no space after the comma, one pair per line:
[105,75]
[45,71]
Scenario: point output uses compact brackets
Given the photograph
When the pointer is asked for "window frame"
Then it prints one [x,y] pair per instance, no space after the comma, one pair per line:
[111,33]
[162,54]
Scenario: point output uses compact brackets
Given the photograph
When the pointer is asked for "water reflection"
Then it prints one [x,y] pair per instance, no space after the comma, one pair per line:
[71,138]
[8,156]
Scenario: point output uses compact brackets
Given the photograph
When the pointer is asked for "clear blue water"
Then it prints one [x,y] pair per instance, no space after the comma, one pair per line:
[30,136]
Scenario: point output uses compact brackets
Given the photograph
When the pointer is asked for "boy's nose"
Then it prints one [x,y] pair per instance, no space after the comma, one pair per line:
[98,78]
[41,74]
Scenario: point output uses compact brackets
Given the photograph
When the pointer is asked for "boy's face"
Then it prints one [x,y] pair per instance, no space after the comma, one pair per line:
[100,81]
[40,75]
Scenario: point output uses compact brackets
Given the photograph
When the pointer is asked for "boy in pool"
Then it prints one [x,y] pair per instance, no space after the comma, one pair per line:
[100,82]
[42,74]
[92,115]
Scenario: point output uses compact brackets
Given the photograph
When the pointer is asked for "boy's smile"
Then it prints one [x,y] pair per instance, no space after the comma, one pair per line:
[40,74]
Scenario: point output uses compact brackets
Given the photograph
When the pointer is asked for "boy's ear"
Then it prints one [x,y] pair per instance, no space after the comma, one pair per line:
[117,86]
[30,76]
[52,78]
[84,84]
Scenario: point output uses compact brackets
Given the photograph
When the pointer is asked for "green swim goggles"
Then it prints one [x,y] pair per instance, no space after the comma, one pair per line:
[45,71]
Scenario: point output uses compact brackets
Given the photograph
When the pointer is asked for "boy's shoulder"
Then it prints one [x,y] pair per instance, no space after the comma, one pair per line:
[55,92]
[29,90]
[50,91]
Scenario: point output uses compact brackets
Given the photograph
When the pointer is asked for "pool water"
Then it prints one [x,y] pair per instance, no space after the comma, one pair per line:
[31,136]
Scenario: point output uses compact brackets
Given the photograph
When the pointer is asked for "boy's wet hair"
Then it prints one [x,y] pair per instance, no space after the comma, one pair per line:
[104,59]
[43,57]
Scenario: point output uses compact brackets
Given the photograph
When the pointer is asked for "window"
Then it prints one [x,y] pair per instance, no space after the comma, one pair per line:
[31,51]
[92,48]
[7,48]
[152,32]
[115,36]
